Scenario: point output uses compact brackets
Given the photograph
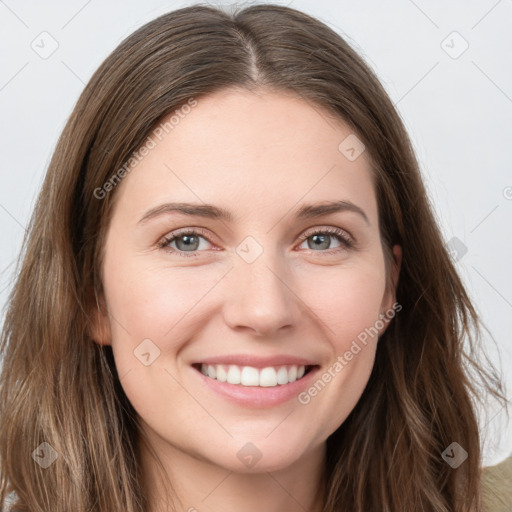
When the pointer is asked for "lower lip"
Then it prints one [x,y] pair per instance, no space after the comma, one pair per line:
[256,396]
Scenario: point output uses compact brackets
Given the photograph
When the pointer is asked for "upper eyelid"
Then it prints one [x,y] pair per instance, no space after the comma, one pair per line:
[331,230]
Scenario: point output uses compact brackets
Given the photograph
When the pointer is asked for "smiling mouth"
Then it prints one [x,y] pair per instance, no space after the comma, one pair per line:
[250,376]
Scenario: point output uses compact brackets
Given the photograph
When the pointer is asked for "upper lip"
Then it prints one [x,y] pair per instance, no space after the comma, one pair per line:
[257,361]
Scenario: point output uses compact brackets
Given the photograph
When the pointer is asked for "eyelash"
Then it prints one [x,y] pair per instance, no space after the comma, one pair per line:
[337,233]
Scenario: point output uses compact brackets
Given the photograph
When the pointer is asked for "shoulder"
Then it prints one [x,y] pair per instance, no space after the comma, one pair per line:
[497,487]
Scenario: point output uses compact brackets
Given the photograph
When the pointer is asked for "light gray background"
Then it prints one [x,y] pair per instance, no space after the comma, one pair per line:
[456,104]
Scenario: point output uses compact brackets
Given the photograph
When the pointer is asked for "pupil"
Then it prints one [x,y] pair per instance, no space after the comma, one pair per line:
[188,241]
[323,239]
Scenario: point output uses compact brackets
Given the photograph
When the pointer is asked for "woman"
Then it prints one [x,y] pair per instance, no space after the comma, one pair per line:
[234,293]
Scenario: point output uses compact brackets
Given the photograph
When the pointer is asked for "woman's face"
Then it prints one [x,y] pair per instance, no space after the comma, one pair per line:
[268,287]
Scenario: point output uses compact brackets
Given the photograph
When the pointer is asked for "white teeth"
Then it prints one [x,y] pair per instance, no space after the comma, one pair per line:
[234,376]
[250,376]
[282,375]
[222,375]
[268,377]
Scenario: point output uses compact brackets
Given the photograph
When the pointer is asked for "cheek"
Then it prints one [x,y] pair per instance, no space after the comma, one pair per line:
[347,303]
[154,302]
[346,300]
[153,311]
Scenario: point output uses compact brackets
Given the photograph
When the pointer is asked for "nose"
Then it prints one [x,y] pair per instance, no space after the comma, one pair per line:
[261,297]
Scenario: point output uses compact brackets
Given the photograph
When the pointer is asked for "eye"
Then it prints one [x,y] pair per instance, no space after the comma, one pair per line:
[320,239]
[188,241]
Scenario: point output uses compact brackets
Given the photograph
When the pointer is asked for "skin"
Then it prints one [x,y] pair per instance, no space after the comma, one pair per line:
[261,156]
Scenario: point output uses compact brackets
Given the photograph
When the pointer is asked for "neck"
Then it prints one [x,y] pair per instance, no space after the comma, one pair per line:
[196,484]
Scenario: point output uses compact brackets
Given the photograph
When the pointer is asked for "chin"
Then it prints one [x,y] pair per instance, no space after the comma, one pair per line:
[260,455]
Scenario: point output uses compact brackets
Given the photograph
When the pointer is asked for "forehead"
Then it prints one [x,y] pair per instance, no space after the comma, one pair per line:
[263,149]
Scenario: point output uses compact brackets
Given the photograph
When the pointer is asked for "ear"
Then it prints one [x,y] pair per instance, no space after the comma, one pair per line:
[387,307]
[99,328]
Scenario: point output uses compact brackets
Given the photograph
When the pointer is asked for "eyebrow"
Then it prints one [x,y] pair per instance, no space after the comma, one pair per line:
[306,211]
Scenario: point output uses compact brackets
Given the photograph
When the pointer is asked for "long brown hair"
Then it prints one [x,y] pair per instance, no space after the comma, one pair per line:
[61,388]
